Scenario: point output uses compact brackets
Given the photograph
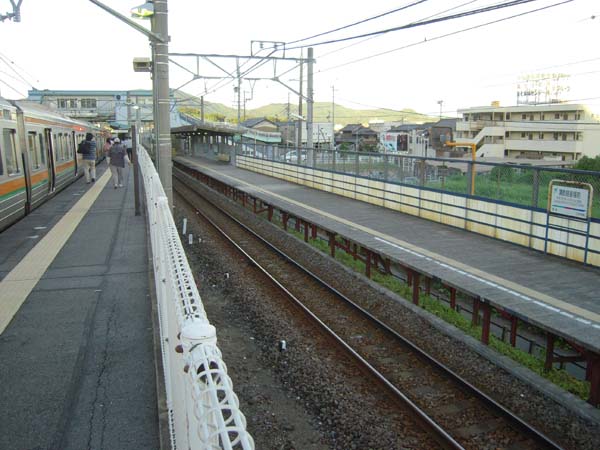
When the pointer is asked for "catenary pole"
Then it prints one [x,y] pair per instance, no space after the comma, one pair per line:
[300,101]
[160,85]
[309,103]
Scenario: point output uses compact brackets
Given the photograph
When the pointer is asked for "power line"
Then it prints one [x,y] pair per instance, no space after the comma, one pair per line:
[423,23]
[18,92]
[444,36]
[359,22]
[378,35]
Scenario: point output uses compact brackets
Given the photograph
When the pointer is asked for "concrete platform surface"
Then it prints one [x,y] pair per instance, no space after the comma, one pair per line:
[77,361]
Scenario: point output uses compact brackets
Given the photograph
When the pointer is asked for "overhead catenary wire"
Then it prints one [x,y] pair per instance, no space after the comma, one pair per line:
[402,8]
[514,16]
[379,35]
[422,23]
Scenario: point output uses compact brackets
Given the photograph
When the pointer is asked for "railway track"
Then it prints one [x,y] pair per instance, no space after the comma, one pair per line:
[456,413]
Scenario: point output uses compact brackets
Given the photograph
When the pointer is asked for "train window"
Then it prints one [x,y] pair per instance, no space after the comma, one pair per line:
[32,146]
[10,151]
[69,146]
[42,149]
[61,146]
[56,147]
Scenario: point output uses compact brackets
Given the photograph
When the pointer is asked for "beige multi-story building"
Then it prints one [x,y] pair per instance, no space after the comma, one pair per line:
[553,132]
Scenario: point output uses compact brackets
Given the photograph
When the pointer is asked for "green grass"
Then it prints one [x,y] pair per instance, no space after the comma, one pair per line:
[438,308]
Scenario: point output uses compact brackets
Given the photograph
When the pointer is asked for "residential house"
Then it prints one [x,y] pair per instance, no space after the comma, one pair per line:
[357,137]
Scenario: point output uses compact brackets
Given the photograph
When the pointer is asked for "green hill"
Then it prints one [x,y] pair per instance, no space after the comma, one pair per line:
[278,112]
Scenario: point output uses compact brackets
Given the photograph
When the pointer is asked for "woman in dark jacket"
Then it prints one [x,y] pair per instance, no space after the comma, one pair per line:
[118,157]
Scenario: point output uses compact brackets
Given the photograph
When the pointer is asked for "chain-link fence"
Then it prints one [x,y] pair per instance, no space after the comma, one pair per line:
[519,184]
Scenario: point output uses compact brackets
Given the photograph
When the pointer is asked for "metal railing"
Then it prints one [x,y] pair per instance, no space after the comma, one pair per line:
[202,407]
[519,184]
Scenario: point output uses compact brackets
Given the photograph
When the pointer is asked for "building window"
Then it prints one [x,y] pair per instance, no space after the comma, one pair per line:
[507,134]
[530,136]
[73,103]
[543,116]
[564,136]
[523,116]
[557,116]
[555,136]
[10,151]
[541,135]
[530,116]
[89,103]
[62,103]
[522,135]
[505,152]
[565,116]
[507,116]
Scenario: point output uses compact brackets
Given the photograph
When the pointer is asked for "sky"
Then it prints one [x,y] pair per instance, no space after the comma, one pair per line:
[75,45]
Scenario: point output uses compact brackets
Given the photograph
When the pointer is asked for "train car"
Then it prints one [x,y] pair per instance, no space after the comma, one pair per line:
[38,156]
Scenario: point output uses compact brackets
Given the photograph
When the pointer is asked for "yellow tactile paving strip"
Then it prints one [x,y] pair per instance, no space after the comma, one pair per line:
[20,281]
[520,291]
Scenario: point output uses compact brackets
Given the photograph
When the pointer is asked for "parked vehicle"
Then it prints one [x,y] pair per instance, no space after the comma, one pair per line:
[292,156]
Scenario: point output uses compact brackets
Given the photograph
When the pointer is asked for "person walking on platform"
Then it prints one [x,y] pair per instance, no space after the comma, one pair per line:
[128,143]
[88,152]
[107,145]
[118,156]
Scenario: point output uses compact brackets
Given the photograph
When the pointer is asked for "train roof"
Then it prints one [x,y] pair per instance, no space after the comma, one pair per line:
[38,111]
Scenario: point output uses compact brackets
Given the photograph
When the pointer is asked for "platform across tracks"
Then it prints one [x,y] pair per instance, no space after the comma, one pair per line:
[558,295]
[77,351]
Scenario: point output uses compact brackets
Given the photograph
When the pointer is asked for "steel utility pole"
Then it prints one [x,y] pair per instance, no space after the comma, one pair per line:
[160,84]
[239,85]
[300,101]
[309,103]
[332,117]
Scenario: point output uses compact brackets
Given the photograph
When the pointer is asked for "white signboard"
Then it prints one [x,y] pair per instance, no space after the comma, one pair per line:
[569,201]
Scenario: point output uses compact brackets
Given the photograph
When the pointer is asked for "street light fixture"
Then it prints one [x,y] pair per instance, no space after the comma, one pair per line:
[145,11]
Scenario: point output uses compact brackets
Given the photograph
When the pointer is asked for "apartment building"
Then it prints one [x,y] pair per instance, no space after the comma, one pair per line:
[560,132]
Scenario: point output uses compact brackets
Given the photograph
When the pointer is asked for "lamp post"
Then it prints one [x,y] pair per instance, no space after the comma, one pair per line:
[157,11]
[440,102]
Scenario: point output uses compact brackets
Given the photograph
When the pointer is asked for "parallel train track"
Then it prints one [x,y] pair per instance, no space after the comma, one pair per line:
[449,407]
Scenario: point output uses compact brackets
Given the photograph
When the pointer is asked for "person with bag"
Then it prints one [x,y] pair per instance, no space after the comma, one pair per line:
[118,157]
[87,149]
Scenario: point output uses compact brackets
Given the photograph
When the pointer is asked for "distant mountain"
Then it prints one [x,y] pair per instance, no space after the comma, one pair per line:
[322,112]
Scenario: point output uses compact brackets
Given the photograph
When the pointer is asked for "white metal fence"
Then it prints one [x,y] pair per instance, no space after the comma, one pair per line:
[203,408]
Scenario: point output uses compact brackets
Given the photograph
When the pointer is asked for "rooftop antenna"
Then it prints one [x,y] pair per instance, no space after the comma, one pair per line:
[15,16]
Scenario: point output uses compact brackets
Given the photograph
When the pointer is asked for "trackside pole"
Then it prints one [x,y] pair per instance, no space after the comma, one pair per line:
[136,170]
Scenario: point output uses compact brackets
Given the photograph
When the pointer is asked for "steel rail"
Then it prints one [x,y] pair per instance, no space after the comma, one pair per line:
[445,370]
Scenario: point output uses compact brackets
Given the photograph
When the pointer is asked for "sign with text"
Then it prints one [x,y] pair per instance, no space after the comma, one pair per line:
[570,201]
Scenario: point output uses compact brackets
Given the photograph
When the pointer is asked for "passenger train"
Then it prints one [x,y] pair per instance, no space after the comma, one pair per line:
[38,156]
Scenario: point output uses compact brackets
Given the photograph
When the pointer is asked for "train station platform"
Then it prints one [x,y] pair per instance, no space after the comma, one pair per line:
[76,336]
[554,294]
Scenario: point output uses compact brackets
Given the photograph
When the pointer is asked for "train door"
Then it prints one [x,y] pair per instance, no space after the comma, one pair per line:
[22,142]
[50,159]
[75,144]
